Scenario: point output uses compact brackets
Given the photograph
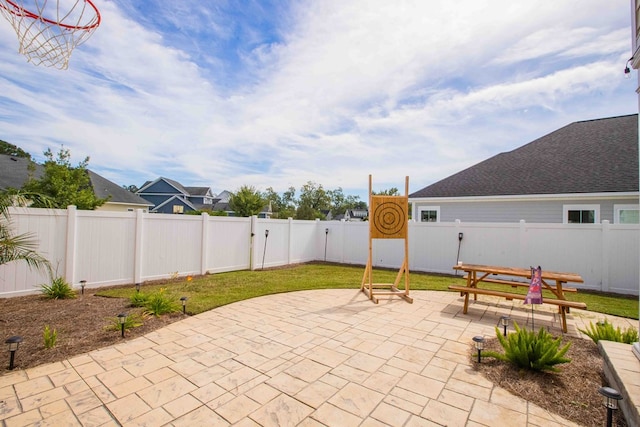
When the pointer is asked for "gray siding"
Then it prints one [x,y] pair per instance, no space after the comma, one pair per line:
[547,212]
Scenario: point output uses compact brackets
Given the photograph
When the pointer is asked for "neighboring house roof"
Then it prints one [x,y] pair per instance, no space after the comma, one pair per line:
[221,206]
[14,172]
[198,191]
[357,213]
[224,196]
[171,182]
[591,156]
[104,188]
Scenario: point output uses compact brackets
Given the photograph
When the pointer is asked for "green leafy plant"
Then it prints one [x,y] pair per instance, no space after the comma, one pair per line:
[50,337]
[528,350]
[139,299]
[159,303]
[131,321]
[58,289]
[606,331]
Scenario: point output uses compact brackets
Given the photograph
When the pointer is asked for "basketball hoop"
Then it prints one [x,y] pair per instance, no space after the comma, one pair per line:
[50,31]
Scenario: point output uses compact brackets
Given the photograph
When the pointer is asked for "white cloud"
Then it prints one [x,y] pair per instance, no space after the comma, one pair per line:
[334,92]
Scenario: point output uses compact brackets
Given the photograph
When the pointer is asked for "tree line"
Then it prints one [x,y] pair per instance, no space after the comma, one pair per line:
[62,184]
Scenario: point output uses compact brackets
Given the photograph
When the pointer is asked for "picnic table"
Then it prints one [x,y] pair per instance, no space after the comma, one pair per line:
[551,281]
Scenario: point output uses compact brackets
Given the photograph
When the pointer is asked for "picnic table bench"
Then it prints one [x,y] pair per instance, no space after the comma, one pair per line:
[551,281]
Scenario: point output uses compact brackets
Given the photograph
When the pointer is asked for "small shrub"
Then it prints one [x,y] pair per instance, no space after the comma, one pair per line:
[139,299]
[131,321]
[606,331]
[528,350]
[159,303]
[58,289]
[50,337]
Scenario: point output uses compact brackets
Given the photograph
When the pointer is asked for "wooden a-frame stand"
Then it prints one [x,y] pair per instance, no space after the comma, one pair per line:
[388,219]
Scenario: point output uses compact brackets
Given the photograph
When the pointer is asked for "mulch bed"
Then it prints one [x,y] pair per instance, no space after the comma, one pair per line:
[572,392]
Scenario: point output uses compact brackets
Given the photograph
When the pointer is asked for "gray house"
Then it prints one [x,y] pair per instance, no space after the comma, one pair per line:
[14,173]
[585,172]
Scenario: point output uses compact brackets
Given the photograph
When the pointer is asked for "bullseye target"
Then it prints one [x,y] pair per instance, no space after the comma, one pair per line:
[389,217]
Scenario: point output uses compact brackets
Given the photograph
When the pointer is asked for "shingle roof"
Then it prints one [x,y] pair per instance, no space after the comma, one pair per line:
[197,191]
[102,188]
[14,173]
[592,156]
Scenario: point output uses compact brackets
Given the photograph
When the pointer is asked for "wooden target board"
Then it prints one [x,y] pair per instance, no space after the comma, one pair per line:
[388,219]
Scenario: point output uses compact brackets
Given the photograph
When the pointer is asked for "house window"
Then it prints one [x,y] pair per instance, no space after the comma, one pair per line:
[178,209]
[581,214]
[626,214]
[429,213]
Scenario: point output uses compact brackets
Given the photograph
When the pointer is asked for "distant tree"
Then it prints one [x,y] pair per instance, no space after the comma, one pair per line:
[281,206]
[247,201]
[64,184]
[313,200]
[307,212]
[12,150]
[341,203]
[393,191]
[132,188]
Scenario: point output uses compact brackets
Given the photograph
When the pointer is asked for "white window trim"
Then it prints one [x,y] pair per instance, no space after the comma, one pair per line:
[428,208]
[567,208]
[618,208]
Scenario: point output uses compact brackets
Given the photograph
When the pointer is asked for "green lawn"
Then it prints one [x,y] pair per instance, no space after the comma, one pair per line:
[207,292]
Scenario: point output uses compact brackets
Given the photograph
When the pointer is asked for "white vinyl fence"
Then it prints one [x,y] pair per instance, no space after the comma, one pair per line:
[110,248]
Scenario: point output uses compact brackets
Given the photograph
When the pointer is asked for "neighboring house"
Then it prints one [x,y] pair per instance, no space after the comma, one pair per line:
[585,172]
[356,215]
[222,203]
[169,196]
[14,173]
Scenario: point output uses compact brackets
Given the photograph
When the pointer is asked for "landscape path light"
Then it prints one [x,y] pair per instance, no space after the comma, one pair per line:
[137,287]
[326,235]
[122,318]
[83,283]
[610,401]
[184,304]
[504,322]
[479,345]
[13,343]
[266,236]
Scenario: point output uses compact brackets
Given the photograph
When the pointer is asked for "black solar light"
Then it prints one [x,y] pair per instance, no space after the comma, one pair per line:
[137,287]
[13,343]
[326,235]
[122,318]
[184,304]
[266,236]
[83,283]
[479,345]
[504,322]
[610,401]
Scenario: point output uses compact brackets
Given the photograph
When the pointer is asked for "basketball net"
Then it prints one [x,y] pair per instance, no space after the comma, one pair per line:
[49,30]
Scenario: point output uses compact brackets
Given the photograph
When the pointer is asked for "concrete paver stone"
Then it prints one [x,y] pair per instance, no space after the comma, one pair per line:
[308,358]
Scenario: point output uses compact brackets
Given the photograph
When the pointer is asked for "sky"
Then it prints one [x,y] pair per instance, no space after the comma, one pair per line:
[278,93]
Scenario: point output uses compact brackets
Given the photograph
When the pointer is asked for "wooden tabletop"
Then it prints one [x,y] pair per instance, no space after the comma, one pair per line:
[520,272]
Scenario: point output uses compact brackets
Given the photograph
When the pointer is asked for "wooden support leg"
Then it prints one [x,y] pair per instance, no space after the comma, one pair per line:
[564,319]
[466,303]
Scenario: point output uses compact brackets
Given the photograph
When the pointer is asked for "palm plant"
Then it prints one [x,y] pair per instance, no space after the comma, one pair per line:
[21,247]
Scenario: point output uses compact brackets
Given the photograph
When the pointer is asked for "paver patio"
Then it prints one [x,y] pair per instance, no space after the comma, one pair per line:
[308,358]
